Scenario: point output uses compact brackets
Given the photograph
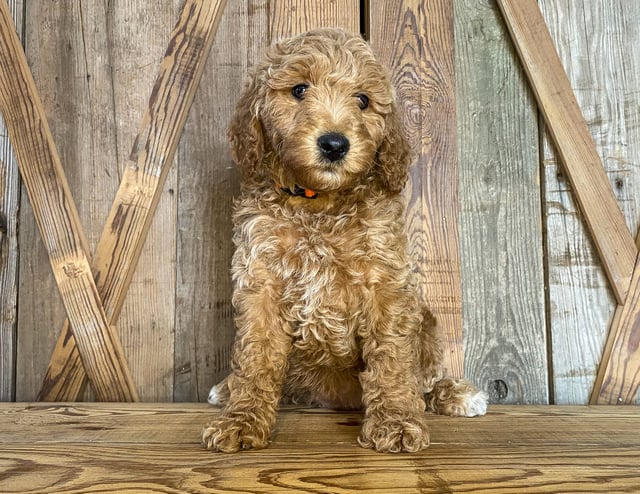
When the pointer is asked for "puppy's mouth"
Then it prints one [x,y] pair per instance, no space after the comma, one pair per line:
[303,170]
[329,162]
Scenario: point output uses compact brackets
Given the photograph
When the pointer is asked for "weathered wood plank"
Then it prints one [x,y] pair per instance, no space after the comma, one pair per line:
[592,39]
[155,448]
[500,223]
[618,376]
[573,142]
[146,171]
[9,207]
[138,33]
[614,350]
[415,40]
[207,183]
[70,63]
[291,17]
[58,220]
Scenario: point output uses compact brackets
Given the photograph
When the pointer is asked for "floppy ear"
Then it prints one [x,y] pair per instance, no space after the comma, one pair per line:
[245,130]
[394,155]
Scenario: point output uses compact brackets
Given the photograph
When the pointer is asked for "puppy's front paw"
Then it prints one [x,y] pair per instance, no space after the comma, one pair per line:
[231,434]
[389,434]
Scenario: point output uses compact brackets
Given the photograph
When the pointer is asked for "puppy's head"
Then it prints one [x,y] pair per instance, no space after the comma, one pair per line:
[319,113]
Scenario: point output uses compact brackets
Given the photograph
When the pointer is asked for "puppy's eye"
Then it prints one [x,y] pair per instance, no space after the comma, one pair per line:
[299,90]
[363,101]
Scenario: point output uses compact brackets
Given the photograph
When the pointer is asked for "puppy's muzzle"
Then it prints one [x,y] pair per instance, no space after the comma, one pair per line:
[333,146]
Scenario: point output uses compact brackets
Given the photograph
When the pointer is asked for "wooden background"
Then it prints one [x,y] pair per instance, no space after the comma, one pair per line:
[535,304]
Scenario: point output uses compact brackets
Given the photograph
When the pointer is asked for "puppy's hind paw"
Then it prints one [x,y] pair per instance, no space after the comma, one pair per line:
[219,394]
[458,398]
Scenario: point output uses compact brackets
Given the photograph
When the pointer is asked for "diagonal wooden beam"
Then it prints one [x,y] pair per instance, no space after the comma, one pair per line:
[146,169]
[573,141]
[58,221]
[618,375]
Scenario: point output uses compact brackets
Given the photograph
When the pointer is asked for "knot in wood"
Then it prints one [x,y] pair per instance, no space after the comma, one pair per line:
[72,270]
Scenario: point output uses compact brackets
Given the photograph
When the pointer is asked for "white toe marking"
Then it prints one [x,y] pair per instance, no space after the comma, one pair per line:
[214,396]
[477,404]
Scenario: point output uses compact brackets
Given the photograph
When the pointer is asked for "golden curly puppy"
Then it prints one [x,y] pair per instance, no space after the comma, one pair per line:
[327,311]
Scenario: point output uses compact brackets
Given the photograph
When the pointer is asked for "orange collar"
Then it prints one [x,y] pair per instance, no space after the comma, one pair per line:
[298,191]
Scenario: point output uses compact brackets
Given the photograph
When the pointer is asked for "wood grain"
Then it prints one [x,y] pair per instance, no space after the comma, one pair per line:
[292,17]
[139,32]
[618,376]
[573,141]
[207,184]
[143,179]
[500,222]
[9,207]
[415,40]
[155,448]
[70,64]
[58,220]
[592,40]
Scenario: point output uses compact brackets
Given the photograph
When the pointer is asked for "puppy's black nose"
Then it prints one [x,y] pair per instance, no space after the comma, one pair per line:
[333,146]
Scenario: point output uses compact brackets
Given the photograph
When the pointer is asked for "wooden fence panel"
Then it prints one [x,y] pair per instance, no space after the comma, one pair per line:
[292,17]
[208,181]
[415,40]
[139,32]
[94,69]
[596,40]
[9,202]
[502,262]
[67,50]
[94,64]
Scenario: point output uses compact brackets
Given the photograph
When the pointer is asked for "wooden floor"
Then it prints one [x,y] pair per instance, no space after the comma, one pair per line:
[154,448]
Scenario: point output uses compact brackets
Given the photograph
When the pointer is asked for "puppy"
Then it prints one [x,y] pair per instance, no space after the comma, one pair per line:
[327,310]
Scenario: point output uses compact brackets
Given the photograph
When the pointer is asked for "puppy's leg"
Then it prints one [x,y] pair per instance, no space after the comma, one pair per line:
[395,418]
[258,369]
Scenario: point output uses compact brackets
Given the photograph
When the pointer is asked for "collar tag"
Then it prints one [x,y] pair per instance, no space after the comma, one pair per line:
[298,191]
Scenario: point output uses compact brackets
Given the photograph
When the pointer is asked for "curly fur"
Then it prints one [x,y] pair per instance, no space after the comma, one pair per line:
[327,311]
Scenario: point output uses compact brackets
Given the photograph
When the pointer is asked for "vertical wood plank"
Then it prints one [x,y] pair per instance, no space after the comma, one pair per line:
[501,236]
[291,17]
[138,33]
[61,38]
[68,52]
[207,184]
[415,39]
[593,39]
[9,204]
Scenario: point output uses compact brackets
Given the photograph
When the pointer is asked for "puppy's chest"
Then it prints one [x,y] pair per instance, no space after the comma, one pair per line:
[323,266]
[327,271]
[324,278]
